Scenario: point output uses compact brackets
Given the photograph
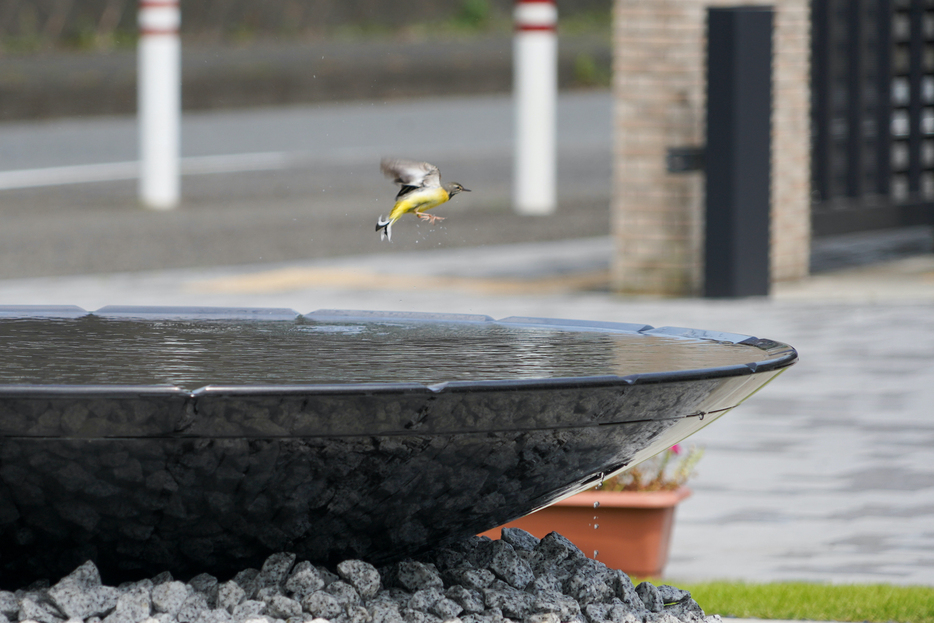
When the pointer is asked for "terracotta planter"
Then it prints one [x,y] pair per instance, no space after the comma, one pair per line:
[634,528]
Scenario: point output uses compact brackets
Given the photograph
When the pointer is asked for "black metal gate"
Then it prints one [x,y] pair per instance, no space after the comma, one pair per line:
[873,114]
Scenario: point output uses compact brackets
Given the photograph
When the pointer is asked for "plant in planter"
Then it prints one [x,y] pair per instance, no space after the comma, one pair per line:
[666,471]
[626,521]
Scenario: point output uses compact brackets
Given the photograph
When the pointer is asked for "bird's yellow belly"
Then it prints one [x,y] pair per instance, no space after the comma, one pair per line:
[419,200]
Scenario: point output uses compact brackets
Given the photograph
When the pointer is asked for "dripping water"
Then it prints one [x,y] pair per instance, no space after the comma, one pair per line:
[596,505]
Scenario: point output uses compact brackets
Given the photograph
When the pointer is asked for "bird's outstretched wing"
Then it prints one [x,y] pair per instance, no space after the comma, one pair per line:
[411,173]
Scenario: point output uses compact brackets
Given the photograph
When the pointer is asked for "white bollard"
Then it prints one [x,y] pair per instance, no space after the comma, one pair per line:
[159,101]
[535,88]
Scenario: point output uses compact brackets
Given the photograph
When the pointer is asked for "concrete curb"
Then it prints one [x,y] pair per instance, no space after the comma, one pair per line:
[271,73]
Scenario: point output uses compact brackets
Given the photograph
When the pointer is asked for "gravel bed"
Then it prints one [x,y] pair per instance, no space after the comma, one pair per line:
[516,579]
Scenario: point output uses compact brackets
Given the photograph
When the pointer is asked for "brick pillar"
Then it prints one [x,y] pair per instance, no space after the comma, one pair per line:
[791,142]
[659,91]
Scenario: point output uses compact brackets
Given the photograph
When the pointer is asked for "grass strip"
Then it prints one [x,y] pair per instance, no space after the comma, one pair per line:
[816,602]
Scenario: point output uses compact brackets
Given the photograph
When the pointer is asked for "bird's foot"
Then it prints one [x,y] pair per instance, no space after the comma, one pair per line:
[431,218]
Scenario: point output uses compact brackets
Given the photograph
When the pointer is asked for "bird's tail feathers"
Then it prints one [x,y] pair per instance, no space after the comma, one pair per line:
[384,227]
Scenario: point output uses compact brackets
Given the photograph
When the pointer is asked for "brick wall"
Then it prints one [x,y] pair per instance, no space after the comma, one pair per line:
[659,88]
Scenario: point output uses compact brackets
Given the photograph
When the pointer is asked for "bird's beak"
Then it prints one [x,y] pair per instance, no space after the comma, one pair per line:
[466,190]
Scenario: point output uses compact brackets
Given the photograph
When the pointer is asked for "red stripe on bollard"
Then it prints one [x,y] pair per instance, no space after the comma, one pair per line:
[159,17]
[535,16]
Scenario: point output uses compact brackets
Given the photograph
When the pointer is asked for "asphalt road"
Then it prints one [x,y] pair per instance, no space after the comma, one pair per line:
[282,184]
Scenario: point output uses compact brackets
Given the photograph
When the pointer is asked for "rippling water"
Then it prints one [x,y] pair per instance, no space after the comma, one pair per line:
[191,354]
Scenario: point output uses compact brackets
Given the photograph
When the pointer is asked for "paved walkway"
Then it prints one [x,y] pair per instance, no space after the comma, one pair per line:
[827,474]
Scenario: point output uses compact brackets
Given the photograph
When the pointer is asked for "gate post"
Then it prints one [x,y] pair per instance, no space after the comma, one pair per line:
[738,151]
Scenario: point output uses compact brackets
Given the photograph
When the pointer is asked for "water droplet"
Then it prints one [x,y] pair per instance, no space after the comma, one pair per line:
[595,526]
[595,552]
[596,504]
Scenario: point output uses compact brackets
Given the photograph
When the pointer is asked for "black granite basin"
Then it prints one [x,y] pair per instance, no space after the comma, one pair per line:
[204,439]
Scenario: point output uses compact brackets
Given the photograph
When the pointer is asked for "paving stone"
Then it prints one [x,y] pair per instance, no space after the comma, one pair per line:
[471,600]
[322,604]
[514,603]
[623,588]
[281,607]
[276,569]
[345,594]
[162,578]
[480,553]
[168,597]
[266,593]
[81,595]
[132,606]
[445,558]
[229,595]
[326,574]
[357,614]
[650,597]
[670,594]
[554,549]
[217,615]
[303,579]
[424,598]
[361,575]
[508,566]
[413,575]
[586,581]
[385,612]
[37,611]
[205,584]
[192,607]
[520,539]
[8,605]
[544,583]
[248,609]
[417,616]
[610,613]
[470,577]
[247,579]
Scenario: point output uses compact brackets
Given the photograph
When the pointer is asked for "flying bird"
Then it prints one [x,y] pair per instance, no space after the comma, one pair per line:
[421,190]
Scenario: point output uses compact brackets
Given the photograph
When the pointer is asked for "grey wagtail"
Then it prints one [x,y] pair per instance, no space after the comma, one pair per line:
[421,190]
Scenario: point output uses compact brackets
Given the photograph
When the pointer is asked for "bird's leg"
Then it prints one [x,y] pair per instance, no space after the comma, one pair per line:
[431,218]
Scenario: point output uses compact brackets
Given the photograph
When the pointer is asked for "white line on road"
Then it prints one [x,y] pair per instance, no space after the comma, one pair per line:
[237,163]
[117,171]
[55,176]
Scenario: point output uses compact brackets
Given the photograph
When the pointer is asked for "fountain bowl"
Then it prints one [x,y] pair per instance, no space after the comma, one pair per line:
[203,439]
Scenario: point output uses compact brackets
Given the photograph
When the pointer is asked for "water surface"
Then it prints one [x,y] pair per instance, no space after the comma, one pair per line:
[194,353]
